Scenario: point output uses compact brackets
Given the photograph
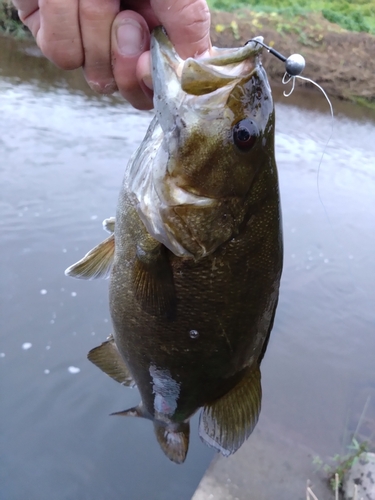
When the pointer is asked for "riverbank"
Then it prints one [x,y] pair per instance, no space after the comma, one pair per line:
[338,60]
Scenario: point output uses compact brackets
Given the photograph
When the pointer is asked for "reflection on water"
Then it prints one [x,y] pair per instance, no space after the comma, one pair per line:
[63,154]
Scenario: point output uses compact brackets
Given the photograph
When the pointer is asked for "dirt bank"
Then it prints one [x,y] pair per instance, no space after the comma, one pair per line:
[343,62]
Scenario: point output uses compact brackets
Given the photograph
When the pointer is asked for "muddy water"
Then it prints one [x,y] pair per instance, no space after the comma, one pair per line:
[62,157]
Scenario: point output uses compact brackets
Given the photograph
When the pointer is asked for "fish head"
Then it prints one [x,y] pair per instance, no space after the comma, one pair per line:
[193,177]
[216,114]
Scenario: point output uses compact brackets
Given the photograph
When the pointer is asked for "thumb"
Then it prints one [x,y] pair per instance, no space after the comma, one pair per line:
[187,23]
[130,40]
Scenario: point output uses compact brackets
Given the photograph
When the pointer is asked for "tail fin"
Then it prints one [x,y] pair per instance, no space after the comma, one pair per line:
[174,441]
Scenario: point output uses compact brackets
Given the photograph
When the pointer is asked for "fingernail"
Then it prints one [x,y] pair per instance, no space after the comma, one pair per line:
[130,38]
[103,88]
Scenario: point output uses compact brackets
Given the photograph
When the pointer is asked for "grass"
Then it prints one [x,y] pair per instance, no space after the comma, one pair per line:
[351,15]
[310,495]
[362,101]
[9,21]
[340,465]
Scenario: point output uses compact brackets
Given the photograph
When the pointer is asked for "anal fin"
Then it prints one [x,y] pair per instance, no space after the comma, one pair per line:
[228,422]
[96,263]
[108,359]
[173,440]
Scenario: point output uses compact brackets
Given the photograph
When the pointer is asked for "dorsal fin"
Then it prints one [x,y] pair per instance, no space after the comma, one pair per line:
[108,359]
[173,440]
[228,422]
[97,263]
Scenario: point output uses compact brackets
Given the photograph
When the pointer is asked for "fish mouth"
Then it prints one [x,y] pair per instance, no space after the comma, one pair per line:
[163,50]
[174,77]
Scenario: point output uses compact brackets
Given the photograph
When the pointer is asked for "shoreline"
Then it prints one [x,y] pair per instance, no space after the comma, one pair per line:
[338,60]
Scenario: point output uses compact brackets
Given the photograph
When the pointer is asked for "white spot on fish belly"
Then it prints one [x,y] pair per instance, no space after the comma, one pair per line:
[166,391]
[26,345]
[43,291]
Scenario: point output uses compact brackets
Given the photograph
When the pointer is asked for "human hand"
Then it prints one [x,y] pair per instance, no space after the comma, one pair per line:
[113,46]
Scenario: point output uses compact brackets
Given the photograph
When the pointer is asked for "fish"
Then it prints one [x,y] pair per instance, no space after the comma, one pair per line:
[195,251]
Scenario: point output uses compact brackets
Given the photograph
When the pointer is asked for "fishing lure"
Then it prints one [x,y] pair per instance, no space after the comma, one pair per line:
[294,65]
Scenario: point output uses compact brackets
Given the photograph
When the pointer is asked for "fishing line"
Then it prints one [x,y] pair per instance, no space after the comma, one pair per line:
[294,65]
[285,80]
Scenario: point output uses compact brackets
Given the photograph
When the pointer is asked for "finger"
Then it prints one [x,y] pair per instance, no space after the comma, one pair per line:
[28,12]
[143,8]
[130,38]
[59,36]
[144,69]
[96,18]
[187,23]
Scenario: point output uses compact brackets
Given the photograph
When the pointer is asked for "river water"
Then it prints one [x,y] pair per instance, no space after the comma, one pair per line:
[63,151]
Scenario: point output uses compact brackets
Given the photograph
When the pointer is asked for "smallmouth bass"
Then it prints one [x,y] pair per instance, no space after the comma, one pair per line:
[195,254]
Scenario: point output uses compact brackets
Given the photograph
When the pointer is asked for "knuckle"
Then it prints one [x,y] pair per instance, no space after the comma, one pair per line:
[93,10]
[64,55]
[195,12]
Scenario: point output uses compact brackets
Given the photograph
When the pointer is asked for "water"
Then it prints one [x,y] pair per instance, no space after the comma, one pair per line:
[63,154]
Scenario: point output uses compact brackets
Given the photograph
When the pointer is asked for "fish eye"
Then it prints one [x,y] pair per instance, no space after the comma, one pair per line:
[245,134]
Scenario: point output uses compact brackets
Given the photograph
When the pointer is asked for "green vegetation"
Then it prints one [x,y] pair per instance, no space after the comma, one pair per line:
[352,15]
[362,101]
[341,464]
[362,441]
[9,21]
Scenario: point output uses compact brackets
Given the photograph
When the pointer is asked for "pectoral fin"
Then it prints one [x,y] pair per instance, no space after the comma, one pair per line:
[228,422]
[174,441]
[153,278]
[96,263]
[108,359]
